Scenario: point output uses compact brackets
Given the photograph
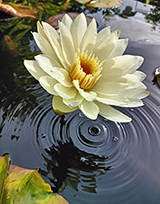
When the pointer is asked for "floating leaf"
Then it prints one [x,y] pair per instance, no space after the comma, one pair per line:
[157,76]
[4,164]
[157,72]
[53,21]
[25,186]
[101,3]
[19,10]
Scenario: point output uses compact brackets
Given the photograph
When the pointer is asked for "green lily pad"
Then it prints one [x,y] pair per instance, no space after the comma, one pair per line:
[101,3]
[25,186]
[4,164]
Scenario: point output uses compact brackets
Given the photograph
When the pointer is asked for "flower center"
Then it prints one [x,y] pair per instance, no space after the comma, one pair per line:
[86,69]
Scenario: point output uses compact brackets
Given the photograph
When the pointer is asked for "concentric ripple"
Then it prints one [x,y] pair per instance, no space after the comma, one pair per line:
[87,161]
[100,156]
[81,158]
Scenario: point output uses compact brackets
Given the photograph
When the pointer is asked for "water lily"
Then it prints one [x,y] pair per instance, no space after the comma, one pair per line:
[86,70]
[101,3]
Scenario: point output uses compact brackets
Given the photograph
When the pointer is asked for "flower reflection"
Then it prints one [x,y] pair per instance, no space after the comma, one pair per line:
[66,165]
[85,70]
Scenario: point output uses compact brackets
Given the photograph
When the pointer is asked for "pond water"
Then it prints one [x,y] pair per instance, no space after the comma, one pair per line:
[85,161]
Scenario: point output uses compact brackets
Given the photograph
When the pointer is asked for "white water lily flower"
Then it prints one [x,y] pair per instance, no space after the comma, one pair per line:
[85,70]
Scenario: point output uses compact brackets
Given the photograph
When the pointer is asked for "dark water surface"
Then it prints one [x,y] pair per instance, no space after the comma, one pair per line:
[85,161]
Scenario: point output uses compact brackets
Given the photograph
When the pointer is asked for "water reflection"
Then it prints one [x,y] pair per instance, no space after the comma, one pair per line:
[67,165]
[85,161]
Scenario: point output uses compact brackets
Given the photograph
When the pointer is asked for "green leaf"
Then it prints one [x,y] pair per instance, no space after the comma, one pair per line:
[101,3]
[25,186]
[4,164]
[158,80]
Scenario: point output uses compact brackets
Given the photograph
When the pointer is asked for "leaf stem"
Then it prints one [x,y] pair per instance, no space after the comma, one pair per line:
[65,6]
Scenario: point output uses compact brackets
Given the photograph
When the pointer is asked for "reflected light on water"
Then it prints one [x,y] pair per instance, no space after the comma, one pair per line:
[86,161]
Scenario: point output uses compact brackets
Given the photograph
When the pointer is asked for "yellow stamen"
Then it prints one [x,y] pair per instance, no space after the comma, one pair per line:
[86,69]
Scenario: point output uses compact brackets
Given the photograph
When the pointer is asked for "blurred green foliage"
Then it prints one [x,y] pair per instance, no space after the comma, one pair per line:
[153,2]
[154,15]
[18,87]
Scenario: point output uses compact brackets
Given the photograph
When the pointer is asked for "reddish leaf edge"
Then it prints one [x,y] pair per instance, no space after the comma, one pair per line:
[10,168]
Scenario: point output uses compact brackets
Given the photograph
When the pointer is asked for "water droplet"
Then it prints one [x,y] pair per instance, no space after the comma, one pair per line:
[105,119]
[131,109]
[115,139]
[94,130]
[146,40]
[83,159]
[9,156]
[81,114]
[43,136]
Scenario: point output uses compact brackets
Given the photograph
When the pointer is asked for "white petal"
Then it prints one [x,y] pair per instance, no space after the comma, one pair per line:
[122,100]
[119,66]
[48,83]
[66,43]
[117,32]
[132,102]
[78,28]
[50,30]
[44,45]
[40,30]
[125,94]
[133,91]
[74,102]
[111,87]
[65,92]
[143,94]
[116,100]
[112,38]
[46,63]
[53,38]
[127,78]
[119,48]
[67,21]
[112,114]
[140,75]
[34,69]
[101,36]
[89,39]
[59,107]
[89,109]
[62,76]
[89,96]
[111,47]
[104,48]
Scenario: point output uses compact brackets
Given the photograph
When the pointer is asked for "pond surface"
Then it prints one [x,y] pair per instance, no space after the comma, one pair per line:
[85,161]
